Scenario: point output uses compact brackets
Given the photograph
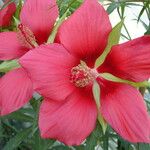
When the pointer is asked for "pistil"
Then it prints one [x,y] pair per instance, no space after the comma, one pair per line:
[82,75]
[26,36]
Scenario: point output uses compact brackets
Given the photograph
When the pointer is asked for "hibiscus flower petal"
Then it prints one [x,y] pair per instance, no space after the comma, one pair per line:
[39,16]
[50,69]
[130,60]
[124,109]
[6,14]
[69,122]
[15,91]
[86,32]
[10,47]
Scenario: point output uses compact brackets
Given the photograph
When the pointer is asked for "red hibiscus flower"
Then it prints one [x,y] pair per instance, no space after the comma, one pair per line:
[37,20]
[6,14]
[68,112]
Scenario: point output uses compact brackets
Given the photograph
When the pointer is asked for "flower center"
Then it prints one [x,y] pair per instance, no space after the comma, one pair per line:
[82,75]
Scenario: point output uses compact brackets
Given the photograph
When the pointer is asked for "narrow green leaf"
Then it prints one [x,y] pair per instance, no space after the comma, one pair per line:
[113,40]
[112,7]
[41,144]
[102,122]
[146,5]
[143,23]
[18,10]
[113,78]
[36,107]
[123,145]
[81,147]
[16,21]
[123,5]
[143,146]
[60,147]
[9,65]
[141,13]
[96,94]
[94,138]
[55,29]
[148,31]
[106,141]
[17,139]
[19,116]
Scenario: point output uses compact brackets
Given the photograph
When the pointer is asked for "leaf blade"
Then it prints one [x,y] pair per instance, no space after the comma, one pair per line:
[116,32]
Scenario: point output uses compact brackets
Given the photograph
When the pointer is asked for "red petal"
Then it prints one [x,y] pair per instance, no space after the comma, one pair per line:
[130,60]
[124,109]
[6,15]
[10,47]
[50,68]
[86,32]
[39,16]
[15,91]
[69,122]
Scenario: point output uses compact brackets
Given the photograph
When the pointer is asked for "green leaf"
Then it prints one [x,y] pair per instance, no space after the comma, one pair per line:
[55,29]
[9,65]
[96,94]
[143,146]
[41,144]
[17,139]
[60,147]
[141,13]
[18,10]
[113,78]
[71,5]
[16,21]
[102,122]
[106,141]
[81,147]
[112,40]
[123,5]
[19,116]
[112,7]
[94,138]
[123,145]
[36,106]
[148,31]
[145,7]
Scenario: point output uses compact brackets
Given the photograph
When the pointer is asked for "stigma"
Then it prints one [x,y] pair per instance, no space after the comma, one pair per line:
[82,75]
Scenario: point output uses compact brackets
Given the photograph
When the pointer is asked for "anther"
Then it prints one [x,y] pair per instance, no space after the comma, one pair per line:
[26,36]
[82,75]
